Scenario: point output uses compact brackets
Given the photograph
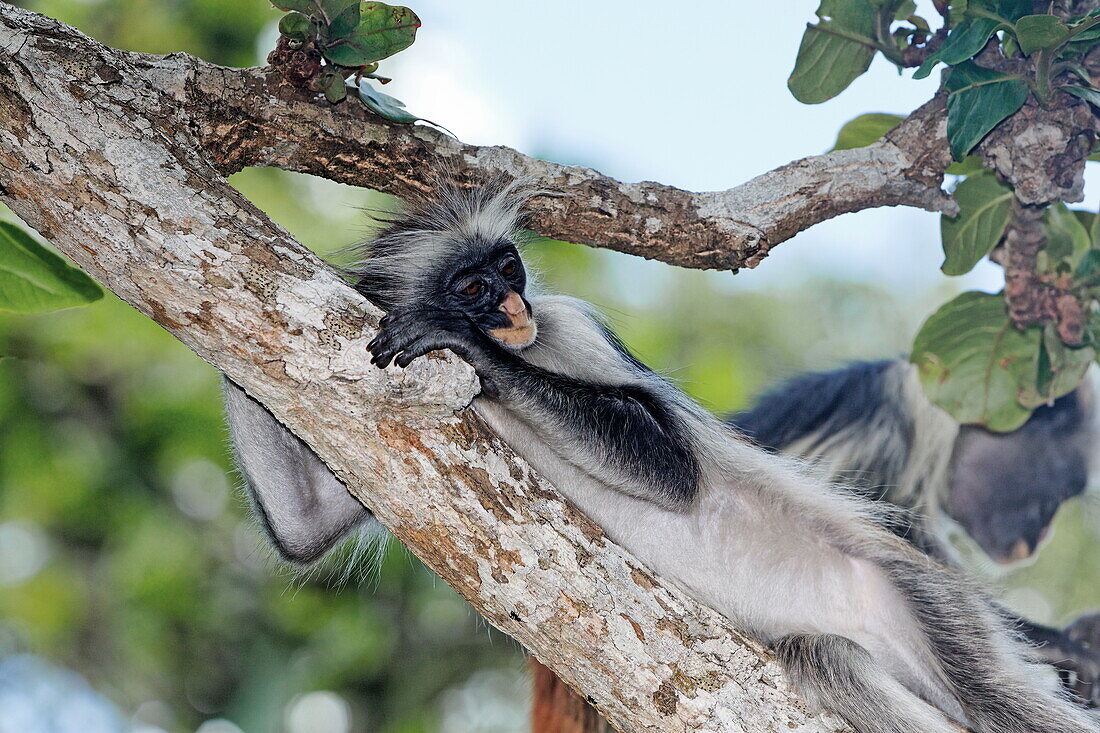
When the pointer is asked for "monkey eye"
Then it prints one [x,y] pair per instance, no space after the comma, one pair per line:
[471,289]
[508,266]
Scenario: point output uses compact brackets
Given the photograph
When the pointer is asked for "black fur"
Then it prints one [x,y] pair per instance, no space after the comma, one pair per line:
[631,425]
[1006,488]
[1003,487]
[594,421]
[838,673]
[818,403]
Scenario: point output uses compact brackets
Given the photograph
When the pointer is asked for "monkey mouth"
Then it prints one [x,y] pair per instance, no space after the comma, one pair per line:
[516,337]
[1022,549]
[521,330]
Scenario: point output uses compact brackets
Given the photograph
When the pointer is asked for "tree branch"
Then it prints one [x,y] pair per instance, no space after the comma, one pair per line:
[95,156]
[251,117]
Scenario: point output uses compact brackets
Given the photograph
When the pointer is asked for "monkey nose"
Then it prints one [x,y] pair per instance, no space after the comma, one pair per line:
[513,304]
[1020,551]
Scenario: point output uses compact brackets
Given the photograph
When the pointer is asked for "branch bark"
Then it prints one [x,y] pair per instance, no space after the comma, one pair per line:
[119,159]
[251,117]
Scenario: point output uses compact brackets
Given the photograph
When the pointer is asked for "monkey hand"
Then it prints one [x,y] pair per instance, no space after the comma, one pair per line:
[1085,664]
[1080,673]
[404,336]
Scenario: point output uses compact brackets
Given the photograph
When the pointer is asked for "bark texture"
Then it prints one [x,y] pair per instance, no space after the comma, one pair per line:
[119,159]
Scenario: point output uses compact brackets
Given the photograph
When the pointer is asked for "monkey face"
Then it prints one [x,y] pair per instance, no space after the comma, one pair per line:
[488,288]
[1007,487]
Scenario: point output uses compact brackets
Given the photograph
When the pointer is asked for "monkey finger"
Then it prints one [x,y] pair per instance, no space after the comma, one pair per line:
[379,345]
[398,321]
[397,342]
[419,347]
[383,357]
[390,345]
[387,339]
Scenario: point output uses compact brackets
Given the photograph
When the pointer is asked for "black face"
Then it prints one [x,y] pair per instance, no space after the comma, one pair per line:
[1006,487]
[478,284]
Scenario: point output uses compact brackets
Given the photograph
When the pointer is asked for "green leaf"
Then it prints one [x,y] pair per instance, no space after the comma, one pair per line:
[344,23]
[296,25]
[1085,30]
[1087,272]
[302,6]
[896,9]
[334,8]
[865,129]
[1036,32]
[1077,68]
[1094,231]
[969,165]
[905,9]
[1059,369]
[827,63]
[34,280]
[384,105]
[964,40]
[334,86]
[1090,95]
[983,216]
[1067,238]
[1010,10]
[383,30]
[973,362]
[979,99]
[1089,220]
[321,10]
[1092,331]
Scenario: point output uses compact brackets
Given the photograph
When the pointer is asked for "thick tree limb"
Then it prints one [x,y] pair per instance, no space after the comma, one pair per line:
[118,159]
[250,117]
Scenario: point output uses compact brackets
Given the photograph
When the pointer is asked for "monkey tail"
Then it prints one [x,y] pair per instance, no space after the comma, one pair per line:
[836,674]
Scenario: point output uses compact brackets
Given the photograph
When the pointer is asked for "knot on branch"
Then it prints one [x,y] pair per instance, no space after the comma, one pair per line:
[299,63]
[1041,151]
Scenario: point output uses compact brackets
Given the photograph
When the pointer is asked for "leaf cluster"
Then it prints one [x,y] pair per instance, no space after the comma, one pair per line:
[352,37]
[998,53]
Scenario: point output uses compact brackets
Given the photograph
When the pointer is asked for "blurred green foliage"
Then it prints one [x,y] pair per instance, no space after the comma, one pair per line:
[127,554]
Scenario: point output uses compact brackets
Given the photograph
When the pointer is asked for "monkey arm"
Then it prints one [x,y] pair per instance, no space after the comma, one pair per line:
[630,436]
[303,507]
[625,435]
